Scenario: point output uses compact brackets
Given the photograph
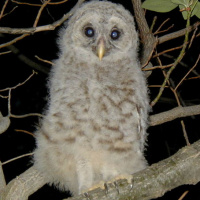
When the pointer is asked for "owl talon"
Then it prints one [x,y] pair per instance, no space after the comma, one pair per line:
[106,188]
[116,186]
[87,195]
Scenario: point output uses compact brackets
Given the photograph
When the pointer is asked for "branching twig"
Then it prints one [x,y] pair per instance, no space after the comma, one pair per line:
[13,41]
[48,27]
[177,34]
[182,52]
[187,73]
[3,9]
[19,84]
[40,12]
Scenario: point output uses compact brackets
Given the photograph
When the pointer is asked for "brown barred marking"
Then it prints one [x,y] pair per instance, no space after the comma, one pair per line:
[48,138]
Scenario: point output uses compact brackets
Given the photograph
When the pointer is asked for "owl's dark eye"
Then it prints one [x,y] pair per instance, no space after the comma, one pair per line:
[89,32]
[115,34]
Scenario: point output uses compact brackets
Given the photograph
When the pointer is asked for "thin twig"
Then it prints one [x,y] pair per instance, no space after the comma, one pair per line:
[10,11]
[57,3]
[45,61]
[192,38]
[19,84]
[6,52]
[183,195]
[165,30]
[161,26]
[40,12]
[3,9]
[25,3]
[181,54]
[4,97]
[24,131]
[168,50]
[14,40]
[48,27]
[26,115]
[30,4]
[188,73]
[157,67]
[153,24]
[16,158]
[185,133]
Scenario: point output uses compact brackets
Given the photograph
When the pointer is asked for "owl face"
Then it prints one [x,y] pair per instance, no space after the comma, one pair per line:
[101,32]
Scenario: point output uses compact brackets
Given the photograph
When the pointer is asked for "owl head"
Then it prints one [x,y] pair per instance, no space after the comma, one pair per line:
[100,31]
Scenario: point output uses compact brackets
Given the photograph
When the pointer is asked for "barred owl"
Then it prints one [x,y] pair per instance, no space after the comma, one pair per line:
[94,128]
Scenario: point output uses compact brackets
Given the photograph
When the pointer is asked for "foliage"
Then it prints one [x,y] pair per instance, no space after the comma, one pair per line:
[168,5]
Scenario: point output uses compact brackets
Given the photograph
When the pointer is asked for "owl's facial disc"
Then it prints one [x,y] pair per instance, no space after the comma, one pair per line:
[101,48]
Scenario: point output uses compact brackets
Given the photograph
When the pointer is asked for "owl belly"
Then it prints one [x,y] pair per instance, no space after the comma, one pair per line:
[91,138]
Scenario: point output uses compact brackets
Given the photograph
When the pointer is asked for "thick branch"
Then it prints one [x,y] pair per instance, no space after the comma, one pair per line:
[148,40]
[157,179]
[174,114]
[177,34]
[2,179]
[23,186]
[150,183]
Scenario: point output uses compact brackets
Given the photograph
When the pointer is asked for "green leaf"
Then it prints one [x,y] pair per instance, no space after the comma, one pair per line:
[181,2]
[197,10]
[184,13]
[159,5]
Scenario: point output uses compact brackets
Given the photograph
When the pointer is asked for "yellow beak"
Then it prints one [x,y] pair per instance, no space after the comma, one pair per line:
[101,49]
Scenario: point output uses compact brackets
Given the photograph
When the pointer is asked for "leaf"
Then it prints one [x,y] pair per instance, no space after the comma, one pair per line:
[159,5]
[196,11]
[181,2]
[184,13]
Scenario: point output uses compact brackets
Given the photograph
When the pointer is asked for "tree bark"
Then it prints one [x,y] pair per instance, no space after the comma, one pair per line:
[23,186]
[179,169]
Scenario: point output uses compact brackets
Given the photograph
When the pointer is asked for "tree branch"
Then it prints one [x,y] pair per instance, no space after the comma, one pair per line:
[148,40]
[48,27]
[150,183]
[23,186]
[174,114]
[177,34]
[155,180]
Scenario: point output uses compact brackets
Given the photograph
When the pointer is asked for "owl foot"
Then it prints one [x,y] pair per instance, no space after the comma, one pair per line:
[105,185]
[99,185]
[128,177]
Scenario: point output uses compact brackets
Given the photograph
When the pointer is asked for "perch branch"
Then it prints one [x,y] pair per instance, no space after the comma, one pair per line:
[150,183]
[23,186]
[155,180]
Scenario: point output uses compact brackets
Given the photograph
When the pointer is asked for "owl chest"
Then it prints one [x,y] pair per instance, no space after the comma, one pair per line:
[104,101]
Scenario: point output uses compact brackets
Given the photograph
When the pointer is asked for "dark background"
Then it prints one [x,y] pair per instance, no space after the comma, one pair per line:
[163,141]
